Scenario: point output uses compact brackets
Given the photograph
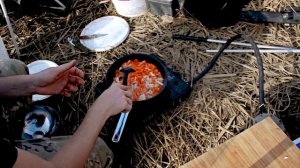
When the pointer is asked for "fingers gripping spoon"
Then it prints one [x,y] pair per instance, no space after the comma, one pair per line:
[123,118]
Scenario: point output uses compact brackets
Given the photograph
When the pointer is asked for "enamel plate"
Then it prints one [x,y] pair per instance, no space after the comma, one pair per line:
[36,67]
[114,29]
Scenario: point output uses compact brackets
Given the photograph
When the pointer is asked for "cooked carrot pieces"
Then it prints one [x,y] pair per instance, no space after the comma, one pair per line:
[146,82]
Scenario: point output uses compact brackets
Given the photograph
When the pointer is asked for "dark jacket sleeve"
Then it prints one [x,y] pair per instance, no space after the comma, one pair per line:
[8,154]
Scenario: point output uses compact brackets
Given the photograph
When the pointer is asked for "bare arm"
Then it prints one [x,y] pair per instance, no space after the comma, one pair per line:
[14,86]
[63,80]
[26,159]
[76,151]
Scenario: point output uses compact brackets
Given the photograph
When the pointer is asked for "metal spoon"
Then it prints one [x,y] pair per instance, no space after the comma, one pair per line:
[124,115]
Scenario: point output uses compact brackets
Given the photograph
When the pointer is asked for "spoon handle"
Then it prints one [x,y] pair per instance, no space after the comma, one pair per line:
[120,127]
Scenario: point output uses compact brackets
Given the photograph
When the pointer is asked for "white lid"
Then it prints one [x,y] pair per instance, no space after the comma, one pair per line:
[36,67]
[115,28]
[130,8]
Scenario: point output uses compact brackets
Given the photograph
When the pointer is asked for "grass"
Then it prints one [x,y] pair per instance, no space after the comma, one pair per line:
[221,105]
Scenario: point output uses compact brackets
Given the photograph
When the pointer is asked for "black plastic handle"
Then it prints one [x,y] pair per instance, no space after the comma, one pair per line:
[125,80]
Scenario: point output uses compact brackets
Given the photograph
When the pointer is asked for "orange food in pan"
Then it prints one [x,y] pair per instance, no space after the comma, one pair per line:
[146,82]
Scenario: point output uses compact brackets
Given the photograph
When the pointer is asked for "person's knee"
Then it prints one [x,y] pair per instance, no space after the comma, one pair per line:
[10,67]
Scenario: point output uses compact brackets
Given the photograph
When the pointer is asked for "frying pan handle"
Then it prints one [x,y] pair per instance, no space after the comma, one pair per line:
[120,127]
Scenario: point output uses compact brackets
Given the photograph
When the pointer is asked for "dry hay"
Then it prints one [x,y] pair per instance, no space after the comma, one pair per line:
[220,106]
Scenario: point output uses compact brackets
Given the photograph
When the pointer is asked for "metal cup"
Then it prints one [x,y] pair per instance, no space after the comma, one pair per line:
[39,122]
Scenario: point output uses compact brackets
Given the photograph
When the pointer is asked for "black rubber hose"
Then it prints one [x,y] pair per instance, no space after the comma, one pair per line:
[260,66]
[215,58]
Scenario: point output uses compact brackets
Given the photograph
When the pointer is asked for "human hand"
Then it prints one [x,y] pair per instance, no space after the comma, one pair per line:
[63,80]
[117,98]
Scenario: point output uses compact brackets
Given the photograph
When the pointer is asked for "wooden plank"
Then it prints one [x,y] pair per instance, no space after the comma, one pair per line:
[262,145]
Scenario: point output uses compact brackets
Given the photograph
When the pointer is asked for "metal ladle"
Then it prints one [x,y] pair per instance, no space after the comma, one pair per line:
[124,115]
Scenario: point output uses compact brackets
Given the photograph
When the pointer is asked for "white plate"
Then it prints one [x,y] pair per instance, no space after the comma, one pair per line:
[116,28]
[38,66]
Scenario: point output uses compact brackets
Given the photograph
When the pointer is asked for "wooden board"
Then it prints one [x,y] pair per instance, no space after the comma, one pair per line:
[262,145]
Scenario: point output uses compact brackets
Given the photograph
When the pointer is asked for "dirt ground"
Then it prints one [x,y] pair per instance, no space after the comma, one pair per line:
[221,105]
